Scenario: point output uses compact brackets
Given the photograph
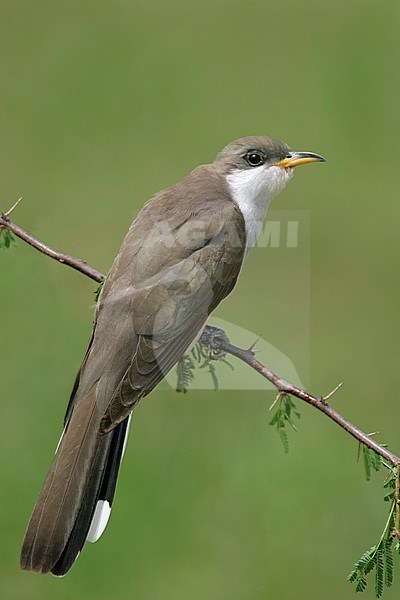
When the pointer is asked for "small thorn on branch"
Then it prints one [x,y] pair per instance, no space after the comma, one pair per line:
[251,349]
[10,210]
[277,398]
[324,399]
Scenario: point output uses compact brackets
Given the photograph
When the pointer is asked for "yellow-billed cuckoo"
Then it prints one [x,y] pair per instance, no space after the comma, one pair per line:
[182,256]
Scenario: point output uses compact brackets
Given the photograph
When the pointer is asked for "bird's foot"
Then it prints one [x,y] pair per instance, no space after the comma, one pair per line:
[212,338]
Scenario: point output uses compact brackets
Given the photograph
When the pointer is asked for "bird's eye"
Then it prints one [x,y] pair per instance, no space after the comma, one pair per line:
[254,159]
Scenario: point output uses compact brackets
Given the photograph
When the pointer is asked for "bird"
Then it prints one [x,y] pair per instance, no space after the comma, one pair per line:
[181,257]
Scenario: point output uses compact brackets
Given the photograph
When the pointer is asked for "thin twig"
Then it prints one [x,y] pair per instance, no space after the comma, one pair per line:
[254,344]
[319,403]
[66,259]
[219,342]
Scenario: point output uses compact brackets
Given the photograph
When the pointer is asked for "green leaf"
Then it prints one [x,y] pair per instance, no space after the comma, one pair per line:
[352,576]
[185,373]
[389,496]
[379,572]
[365,559]
[390,481]
[196,352]
[98,291]
[376,461]
[361,584]
[6,238]
[284,440]
[226,362]
[388,484]
[200,357]
[287,406]
[274,419]
[292,425]
[367,462]
[284,409]
[380,556]
[212,371]
[388,561]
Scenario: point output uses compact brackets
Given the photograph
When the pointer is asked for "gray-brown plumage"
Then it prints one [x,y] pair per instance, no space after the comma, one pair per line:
[181,257]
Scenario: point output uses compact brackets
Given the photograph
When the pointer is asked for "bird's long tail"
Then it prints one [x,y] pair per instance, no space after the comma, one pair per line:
[76,497]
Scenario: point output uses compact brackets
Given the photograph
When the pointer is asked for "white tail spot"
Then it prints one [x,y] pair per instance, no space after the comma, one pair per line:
[99,520]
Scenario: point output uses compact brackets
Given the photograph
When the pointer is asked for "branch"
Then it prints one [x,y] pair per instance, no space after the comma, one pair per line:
[66,259]
[217,340]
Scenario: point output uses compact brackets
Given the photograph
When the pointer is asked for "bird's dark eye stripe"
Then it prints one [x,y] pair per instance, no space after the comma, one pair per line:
[254,158]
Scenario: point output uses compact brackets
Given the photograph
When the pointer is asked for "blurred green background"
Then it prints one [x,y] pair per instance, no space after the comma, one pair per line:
[104,103]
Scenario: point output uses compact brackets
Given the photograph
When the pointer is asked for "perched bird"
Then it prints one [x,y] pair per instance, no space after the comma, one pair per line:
[181,256]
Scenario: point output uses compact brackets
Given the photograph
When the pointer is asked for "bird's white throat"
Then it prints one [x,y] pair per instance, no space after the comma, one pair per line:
[253,190]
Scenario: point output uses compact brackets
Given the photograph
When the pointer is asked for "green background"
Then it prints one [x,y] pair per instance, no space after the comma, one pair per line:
[104,103]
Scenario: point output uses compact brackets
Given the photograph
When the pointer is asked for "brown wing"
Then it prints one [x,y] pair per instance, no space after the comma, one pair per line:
[169,314]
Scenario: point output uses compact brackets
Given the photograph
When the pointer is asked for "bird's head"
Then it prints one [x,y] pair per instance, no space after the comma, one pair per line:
[259,167]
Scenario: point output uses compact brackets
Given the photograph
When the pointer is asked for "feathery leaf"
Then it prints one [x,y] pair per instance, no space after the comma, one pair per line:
[6,238]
